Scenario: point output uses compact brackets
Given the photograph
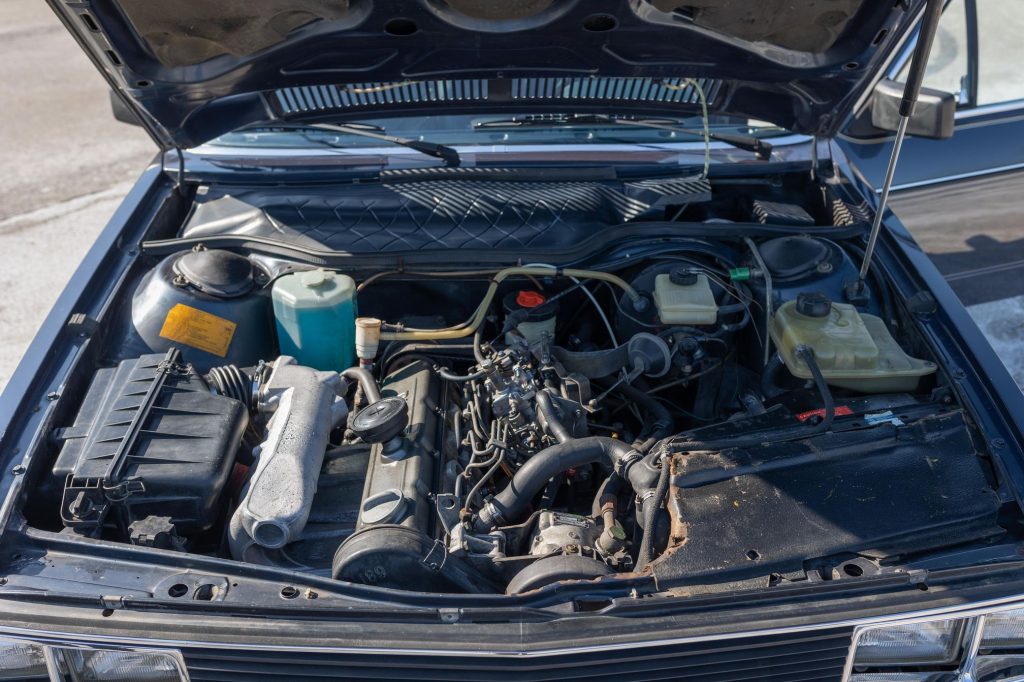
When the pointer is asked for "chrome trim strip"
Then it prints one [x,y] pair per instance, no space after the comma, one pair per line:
[960,611]
[961,176]
[994,108]
[971,646]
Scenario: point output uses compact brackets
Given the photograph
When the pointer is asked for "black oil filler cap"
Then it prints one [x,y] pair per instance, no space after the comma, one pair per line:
[381,421]
[813,304]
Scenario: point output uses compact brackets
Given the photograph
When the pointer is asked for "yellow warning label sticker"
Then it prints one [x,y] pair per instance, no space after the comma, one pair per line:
[199,329]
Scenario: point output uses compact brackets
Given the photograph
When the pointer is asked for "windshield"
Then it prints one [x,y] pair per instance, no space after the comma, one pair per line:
[497,129]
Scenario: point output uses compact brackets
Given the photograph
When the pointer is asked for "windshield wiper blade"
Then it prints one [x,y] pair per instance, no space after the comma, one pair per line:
[749,143]
[448,154]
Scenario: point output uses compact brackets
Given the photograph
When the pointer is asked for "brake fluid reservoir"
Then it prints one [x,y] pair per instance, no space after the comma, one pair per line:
[685,297]
[537,316]
[315,312]
[854,350]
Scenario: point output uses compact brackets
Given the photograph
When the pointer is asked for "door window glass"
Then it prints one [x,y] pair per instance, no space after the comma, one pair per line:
[947,63]
[1000,51]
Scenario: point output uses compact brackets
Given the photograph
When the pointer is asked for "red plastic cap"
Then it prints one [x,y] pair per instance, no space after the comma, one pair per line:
[530,299]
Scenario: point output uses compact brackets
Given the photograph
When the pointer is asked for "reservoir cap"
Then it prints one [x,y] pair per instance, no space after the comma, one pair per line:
[683,277]
[217,272]
[316,278]
[530,299]
[813,304]
[536,305]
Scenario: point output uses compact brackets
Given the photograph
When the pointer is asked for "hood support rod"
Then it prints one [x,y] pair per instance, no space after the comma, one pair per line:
[929,24]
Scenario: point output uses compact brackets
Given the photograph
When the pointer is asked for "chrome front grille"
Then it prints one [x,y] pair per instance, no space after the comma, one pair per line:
[813,656]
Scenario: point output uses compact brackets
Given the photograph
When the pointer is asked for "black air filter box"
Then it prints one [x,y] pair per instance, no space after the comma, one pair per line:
[151,439]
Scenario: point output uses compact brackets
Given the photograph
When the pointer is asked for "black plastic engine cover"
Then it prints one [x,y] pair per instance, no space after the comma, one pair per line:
[880,491]
[151,439]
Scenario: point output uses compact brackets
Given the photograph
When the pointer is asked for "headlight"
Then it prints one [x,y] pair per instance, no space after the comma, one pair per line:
[21,660]
[987,647]
[932,643]
[96,665]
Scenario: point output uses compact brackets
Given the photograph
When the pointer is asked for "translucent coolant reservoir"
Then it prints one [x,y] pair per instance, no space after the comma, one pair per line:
[315,312]
[853,350]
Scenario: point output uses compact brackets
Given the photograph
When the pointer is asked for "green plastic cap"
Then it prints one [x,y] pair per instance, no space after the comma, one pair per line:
[739,274]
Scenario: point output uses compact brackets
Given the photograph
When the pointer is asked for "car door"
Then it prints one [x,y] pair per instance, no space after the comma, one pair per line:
[963,197]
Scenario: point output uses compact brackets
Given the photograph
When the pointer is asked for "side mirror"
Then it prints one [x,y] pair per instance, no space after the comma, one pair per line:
[933,116]
[121,112]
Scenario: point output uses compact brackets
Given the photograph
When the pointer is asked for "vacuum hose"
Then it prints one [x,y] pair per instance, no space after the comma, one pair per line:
[366,382]
[468,327]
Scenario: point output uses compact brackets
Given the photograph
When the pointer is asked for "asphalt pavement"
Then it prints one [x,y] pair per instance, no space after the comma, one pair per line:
[67,164]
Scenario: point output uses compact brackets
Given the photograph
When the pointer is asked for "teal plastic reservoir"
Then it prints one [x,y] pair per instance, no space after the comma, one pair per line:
[315,315]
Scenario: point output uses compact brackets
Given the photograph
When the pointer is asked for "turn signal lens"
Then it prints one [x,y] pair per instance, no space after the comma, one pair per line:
[905,677]
[1004,630]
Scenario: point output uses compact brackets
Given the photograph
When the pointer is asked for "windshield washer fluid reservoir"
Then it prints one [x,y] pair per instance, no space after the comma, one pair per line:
[315,313]
[854,350]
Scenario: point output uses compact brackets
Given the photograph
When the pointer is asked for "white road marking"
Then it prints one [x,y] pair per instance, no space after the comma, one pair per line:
[46,214]
[988,270]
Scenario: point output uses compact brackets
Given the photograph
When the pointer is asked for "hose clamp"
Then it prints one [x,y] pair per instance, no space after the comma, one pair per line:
[491,516]
[644,496]
[627,461]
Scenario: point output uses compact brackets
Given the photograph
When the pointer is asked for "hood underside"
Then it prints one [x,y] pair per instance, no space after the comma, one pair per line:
[193,69]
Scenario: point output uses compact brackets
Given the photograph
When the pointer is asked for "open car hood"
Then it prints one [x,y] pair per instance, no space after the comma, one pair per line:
[193,69]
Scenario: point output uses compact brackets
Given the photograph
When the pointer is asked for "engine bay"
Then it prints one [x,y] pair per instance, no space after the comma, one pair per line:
[710,408]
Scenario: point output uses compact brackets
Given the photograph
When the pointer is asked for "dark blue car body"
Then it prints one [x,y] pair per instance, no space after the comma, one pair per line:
[345,633]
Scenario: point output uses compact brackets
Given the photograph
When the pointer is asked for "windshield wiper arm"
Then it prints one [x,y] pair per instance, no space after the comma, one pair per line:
[749,143]
[448,154]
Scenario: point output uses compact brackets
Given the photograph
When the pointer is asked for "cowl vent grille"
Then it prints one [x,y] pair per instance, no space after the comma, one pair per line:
[313,98]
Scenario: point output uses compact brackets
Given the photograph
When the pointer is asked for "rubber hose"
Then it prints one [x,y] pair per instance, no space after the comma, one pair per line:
[769,383]
[781,435]
[512,502]
[806,353]
[661,424]
[366,381]
[549,418]
[478,345]
[652,506]
[611,486]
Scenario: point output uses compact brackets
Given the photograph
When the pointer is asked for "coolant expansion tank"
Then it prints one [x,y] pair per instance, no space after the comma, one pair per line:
[854,350]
